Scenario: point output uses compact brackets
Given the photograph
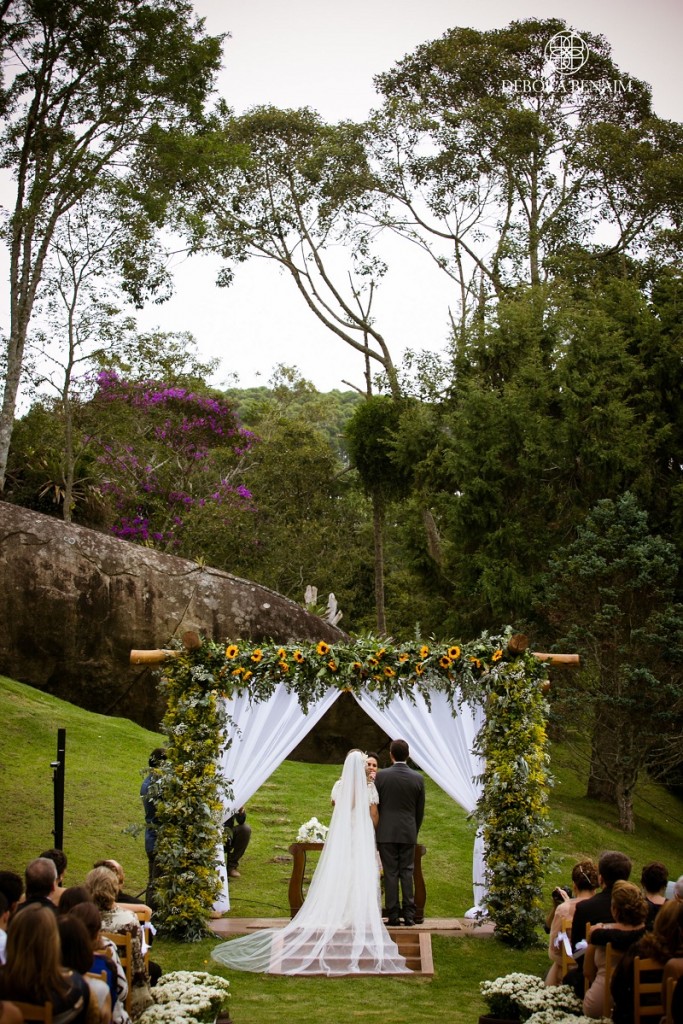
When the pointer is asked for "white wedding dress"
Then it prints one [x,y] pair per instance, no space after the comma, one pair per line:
[339,929]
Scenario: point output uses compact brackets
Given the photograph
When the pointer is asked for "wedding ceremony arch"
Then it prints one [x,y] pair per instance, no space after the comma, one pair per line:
[474,715]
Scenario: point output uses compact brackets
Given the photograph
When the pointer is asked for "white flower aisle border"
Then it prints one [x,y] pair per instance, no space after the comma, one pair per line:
[187,997]
[526,998]
[312,831]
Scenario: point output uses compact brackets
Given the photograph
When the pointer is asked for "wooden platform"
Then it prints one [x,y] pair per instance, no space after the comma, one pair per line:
[414,943]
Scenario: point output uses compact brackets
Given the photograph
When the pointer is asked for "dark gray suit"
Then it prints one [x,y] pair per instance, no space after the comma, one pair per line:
[401,810]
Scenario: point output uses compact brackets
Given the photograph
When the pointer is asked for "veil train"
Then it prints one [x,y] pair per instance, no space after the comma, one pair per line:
[339,929]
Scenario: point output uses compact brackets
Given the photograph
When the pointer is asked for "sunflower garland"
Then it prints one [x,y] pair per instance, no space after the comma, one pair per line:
[512,811]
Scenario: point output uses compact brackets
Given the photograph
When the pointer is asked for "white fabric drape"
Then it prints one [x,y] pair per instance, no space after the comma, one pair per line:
[441,743]
[262,734]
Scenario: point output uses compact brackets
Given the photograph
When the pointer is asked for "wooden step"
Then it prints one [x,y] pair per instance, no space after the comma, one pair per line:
[414,945]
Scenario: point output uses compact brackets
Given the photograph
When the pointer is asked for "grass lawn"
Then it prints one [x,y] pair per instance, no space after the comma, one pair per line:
[105,763]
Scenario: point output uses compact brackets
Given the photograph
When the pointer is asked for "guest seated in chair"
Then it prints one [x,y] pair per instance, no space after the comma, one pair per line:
[663,943]
[613,866]
[584,884]
[34,973]
[77,955]
[654,879]
[629,913]
[59,858]
[102,884]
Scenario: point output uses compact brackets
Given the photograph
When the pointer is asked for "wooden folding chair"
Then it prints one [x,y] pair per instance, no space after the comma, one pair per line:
[612,958]
[647,994]
[567,962]
[144,916]
[35,1011]
[124,947]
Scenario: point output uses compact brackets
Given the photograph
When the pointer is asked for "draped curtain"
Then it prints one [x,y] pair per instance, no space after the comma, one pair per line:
[263,733]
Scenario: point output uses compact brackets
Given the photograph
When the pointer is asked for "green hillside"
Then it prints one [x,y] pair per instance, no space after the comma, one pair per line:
[105,762]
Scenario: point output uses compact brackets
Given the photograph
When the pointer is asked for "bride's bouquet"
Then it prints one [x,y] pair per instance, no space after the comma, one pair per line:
[312,831]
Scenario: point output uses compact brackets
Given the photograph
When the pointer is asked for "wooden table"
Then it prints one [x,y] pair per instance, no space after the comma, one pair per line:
[296,882]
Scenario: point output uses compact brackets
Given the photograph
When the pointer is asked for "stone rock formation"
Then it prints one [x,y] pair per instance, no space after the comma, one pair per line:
[74,602]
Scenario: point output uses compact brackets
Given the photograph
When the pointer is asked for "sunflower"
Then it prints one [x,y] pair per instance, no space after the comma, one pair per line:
[475,661]
[356,666]
[380,653]
[444,661]
[419,668]
[298,657]
[323,648]
[232,651]
[374,662]
[497,655]
[332,665]
[257,655]
[424,652]
[388,671]
[282,653]
[237,671]
[283,666]
[454,652]
[403,658]
[246,676]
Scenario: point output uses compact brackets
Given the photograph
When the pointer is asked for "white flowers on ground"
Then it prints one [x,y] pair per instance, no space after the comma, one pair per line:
[187,997]
[312,831]
[562,1017]
[525,997]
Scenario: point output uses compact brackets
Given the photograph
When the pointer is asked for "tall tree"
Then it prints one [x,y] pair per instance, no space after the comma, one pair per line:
[369,437]
[499,166]
[83,326]
[615,584]
[90,82]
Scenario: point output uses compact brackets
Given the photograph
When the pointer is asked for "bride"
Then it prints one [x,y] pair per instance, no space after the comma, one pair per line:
[339,928]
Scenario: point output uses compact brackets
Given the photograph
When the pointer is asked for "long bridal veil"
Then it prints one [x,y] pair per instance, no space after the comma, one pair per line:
[339,928]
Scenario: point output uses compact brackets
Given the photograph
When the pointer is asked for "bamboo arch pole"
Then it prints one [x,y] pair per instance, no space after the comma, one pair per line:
[517,645]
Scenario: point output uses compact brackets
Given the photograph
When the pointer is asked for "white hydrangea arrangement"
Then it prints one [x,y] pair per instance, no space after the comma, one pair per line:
[562,1017]
[525,997]
[187,997]
[312,831]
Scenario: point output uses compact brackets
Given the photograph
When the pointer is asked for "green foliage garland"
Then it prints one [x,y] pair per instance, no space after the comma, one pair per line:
[512,810]
[189,808]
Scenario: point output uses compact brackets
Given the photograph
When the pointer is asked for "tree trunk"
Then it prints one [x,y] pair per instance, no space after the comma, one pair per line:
[601,776]
[378,529]
[625,806]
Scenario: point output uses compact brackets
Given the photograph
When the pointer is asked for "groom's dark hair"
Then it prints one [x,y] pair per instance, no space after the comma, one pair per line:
[399,750]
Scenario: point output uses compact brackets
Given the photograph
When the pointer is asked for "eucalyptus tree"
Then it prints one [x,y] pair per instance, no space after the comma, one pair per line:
[501,166]
[294,198]
[86,83]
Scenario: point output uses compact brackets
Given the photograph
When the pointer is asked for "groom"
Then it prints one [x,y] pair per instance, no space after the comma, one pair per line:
[401,810]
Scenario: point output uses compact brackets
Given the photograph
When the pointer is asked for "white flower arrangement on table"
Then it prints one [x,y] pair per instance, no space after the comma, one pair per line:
[525,997]
[187,997]
[312,831]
